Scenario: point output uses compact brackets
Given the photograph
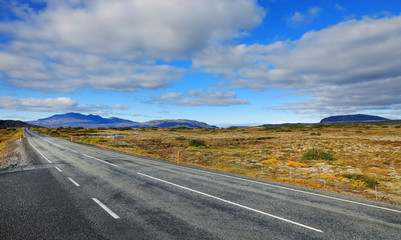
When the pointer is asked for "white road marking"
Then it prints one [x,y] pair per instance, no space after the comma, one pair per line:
[295,190]
[232,203]
[39,152]
[115,216]
[75,183]
[100,160]
[58,169]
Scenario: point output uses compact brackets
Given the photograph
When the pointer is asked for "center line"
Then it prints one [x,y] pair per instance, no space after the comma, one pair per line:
[232,203]
[58,169]
[75,183]
[115,216]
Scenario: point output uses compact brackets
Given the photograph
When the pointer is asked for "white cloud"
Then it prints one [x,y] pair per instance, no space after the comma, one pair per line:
[354,65]
[54,105]
[136,28]
[339,7]
[45,104]
[114,45]
[299,19]
[199,98]
[169,95]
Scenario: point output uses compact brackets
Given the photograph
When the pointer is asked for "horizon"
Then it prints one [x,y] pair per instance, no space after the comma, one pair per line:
[220,62]
[224,125]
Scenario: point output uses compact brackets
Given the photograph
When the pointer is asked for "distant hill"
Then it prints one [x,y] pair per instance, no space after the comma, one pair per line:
[353,118]
[95,121]
[174,123]
[16,124]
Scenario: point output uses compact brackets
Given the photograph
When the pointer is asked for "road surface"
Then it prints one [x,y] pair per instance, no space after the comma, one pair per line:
[78,191]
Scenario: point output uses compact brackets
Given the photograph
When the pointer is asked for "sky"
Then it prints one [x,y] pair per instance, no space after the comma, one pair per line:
[223,62]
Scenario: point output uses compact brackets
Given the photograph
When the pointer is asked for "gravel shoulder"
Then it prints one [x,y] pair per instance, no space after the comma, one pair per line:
[20,158]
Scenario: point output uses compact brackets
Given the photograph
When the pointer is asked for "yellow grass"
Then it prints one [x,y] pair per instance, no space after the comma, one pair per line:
[7,135]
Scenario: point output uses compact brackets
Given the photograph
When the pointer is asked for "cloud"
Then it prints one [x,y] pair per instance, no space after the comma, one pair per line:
[53,104]
[169,95]
[198,98]
[114,45]
[339,7]
[354,66]
[138,29]
[45,104]
[298,19]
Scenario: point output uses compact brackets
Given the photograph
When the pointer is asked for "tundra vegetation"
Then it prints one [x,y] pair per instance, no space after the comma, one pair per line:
[7,136]
[350,159]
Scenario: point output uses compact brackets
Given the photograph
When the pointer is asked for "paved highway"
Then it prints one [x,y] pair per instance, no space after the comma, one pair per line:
[96,193]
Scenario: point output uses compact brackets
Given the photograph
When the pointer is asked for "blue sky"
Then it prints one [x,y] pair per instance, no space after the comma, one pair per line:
[235,62]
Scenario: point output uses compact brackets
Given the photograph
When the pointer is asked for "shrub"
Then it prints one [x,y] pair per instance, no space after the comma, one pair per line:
[283,130]
[316,154]
[197,143]
[315,134]
[367,180]
[92,140]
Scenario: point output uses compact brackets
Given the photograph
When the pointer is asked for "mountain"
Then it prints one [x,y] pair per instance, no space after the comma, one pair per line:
[353,118]
[95,121]
[80,120]
[174,123]
[17,124]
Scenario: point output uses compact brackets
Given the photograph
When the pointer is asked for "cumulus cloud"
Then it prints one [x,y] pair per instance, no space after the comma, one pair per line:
[300,19]
[45,104]
[156,29]
[114,45]
[53,104]
[200,98]
[353,65]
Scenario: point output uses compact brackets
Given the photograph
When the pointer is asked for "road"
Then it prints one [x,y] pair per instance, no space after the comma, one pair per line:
[82,191]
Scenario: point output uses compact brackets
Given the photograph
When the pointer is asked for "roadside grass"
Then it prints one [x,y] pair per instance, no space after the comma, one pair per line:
[343,158]
[7,135]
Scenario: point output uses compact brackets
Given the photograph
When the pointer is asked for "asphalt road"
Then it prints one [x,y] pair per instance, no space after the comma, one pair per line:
[85,192]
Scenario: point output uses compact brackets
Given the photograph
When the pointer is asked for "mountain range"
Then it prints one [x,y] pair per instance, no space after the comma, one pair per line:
[95,121]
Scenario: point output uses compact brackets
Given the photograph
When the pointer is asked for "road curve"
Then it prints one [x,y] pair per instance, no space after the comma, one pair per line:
[122,196]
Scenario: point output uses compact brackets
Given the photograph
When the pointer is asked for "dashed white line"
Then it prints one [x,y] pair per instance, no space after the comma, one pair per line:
[39,152]
[100,160]
[75,183]
[58,169]
[115,216]
[232,203]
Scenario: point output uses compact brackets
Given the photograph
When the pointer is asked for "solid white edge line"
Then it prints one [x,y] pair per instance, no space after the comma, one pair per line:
[115,216]
[232,203]
[58,169]
[75,183]
[295,190]
[100,160]
[39,152]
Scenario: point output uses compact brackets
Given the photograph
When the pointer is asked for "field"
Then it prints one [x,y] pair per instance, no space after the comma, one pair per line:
[350,159]
[7,135]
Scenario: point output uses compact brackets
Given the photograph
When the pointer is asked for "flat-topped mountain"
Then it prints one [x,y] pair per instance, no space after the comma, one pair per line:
[353,118]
